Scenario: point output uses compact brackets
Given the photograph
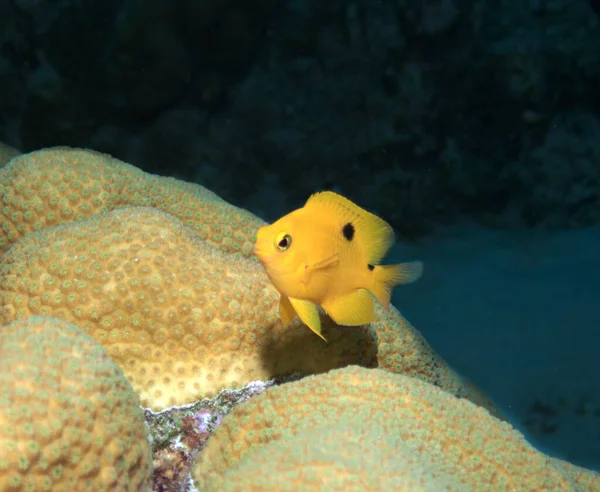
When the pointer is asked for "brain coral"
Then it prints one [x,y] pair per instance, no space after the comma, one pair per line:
[318,432]
[333,458]
[183,318]
[61,184]
[69,420]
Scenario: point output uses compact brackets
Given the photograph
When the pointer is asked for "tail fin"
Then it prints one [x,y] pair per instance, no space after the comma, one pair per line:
[386,277]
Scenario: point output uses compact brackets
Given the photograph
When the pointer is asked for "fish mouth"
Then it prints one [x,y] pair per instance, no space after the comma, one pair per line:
[256,252]
[262,258]
[268,265]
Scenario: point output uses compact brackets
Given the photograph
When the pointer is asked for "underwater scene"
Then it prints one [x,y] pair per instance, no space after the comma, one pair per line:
[300,245]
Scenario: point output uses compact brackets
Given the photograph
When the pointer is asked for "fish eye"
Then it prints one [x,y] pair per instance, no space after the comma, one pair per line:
[283,242]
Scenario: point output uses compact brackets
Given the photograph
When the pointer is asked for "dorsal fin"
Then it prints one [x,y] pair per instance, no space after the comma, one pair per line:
[373,235]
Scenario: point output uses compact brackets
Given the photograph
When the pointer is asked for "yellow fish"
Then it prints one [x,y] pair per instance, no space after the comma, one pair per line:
[326,254]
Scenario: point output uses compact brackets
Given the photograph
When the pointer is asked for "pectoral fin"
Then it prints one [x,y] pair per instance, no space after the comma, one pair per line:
[351,309]
[286,310]
[327,262]
[309,315]
[317,268]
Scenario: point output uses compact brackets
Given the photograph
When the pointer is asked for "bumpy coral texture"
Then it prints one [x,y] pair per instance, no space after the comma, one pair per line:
[459,445]
[69,420]
[333,458]
[401,349]
[61,184]
[184,319]
[7,153]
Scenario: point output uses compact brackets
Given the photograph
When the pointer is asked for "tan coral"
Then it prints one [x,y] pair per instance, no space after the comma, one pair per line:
[182,318]
[401,349]
[69,420]
[61,185]
[582,477]
[58,185]
[7,153]
[342,456]
[456,443]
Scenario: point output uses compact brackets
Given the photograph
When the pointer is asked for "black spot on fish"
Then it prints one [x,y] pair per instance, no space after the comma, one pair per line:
[371,267]
[348,231]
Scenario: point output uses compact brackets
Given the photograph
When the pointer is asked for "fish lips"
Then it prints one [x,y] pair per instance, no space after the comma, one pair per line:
[267,261]
[260,254]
